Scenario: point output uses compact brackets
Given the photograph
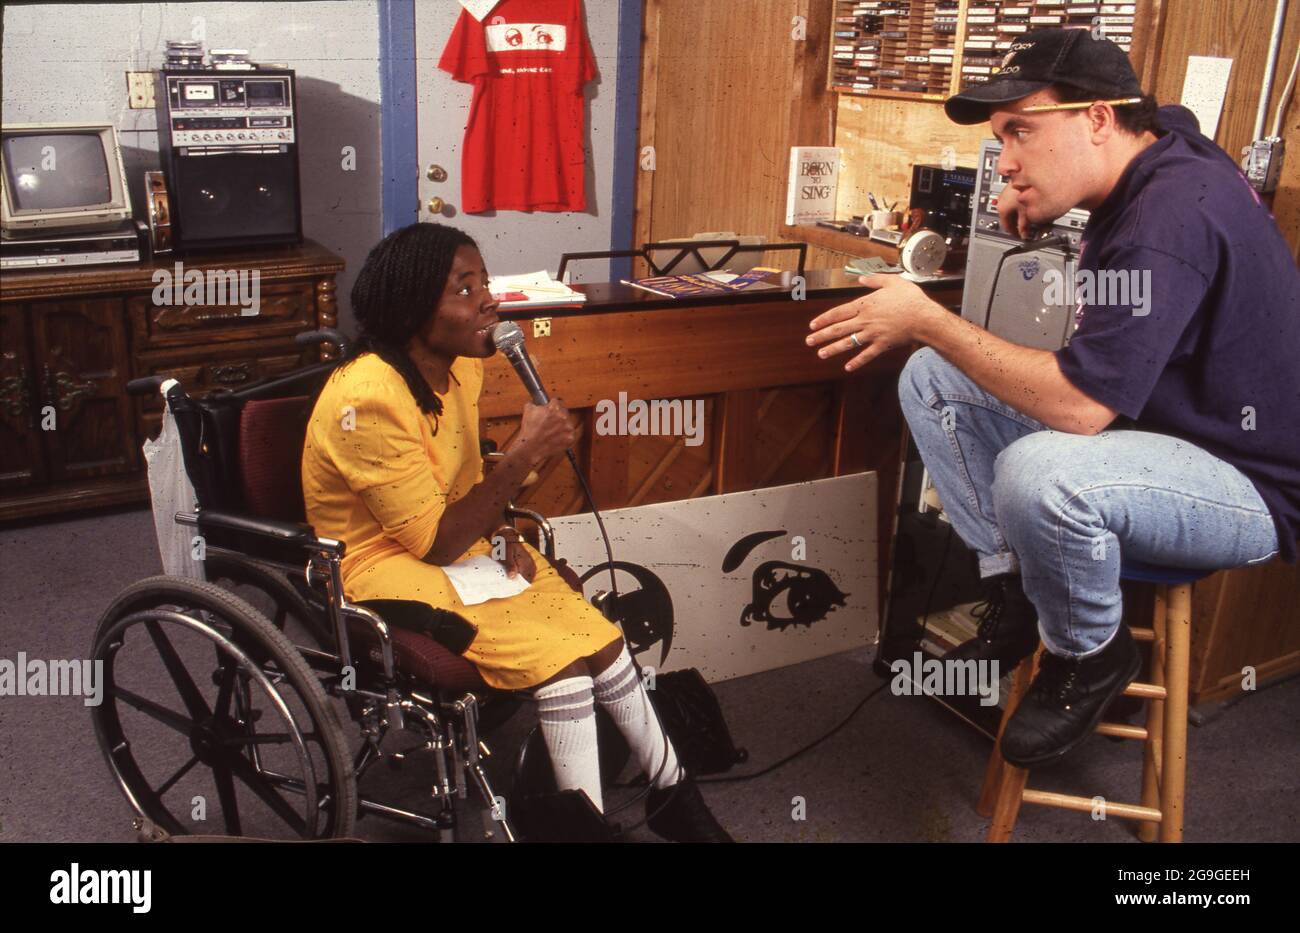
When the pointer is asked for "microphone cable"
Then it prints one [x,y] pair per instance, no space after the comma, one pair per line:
[600,522]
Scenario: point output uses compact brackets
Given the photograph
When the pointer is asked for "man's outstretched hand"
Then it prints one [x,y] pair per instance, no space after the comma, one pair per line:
[892,315]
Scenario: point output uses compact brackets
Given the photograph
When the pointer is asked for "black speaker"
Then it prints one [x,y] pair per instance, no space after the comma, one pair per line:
[228,146]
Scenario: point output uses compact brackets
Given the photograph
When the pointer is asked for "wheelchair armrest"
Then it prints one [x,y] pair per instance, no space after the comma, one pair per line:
[286,532]
[544,529]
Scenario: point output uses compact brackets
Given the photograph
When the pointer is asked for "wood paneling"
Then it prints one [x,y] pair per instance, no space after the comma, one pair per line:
[726,90]
[1244,618]
[882,139]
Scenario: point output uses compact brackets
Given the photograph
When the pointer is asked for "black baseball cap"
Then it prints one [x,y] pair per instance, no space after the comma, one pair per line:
[1044,57]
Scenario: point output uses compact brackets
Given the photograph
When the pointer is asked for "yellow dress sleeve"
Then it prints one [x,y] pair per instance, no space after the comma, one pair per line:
[384,460]
[473,391]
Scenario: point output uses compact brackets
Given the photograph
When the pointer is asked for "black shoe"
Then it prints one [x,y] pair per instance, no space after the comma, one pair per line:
[679,814]
[1066,701]
[1008,629]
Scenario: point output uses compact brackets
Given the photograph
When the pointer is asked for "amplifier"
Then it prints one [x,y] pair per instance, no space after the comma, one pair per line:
[1015,306]
[229,150]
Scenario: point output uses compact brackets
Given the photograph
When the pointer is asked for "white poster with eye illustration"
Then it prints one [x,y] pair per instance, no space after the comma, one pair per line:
[739,583]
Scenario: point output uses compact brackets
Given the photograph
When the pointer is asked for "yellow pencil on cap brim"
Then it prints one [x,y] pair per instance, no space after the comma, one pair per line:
[1082,105]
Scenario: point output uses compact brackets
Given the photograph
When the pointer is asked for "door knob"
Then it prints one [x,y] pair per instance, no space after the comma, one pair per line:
[436,173]
[436,205]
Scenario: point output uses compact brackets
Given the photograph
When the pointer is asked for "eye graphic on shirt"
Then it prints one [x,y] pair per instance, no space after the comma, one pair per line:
[526,37]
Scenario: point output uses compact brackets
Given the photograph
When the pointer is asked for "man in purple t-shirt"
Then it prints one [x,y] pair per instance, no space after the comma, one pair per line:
[1188,332]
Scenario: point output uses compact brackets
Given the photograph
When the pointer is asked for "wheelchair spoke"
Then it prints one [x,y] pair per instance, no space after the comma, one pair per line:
[262,787]
[171,781]
[157,711]
[226,794]
[228,670]
[189,691]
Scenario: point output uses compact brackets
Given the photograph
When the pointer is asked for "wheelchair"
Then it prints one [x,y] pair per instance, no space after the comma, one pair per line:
[267,657]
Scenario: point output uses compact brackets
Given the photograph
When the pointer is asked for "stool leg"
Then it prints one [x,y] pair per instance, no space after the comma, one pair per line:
[1011,780]
[1020,679]
[1177,661]
[1155,715]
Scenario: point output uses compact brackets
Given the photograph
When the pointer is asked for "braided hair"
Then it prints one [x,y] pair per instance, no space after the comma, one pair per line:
[396,292]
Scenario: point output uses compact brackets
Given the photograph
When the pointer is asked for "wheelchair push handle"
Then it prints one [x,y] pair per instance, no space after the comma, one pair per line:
[145,385]
[310,338]
[166,386]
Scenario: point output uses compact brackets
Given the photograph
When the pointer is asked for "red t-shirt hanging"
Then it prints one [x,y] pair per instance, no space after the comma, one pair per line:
[528,61]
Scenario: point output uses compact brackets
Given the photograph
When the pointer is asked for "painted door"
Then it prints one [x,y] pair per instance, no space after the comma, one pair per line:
[514,241]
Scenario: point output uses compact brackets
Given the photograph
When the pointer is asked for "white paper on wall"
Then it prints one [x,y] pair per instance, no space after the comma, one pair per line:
[1204,89]
[800,584]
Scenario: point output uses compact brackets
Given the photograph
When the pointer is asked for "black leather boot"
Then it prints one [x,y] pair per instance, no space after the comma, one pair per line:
[1066,701]
[1008,628]
[679,814]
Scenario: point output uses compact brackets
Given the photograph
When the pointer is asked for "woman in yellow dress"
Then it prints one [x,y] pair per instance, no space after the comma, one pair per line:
[392,468]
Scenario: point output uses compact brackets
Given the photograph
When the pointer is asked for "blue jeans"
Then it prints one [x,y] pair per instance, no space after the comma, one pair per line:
[1060,508]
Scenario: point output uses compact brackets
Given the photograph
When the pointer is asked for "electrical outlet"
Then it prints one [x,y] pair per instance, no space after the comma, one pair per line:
[139,88]
[541,327]
[1263,163]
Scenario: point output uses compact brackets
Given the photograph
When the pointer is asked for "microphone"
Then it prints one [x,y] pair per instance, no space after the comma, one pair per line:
[509,339]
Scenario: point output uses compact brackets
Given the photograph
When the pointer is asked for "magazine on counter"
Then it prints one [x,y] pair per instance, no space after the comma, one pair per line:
[705,283]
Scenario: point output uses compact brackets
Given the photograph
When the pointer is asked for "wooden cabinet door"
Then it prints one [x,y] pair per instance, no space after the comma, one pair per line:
[22,460]
[80,357]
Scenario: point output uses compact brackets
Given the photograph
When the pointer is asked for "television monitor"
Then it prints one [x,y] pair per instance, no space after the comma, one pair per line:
[61,178]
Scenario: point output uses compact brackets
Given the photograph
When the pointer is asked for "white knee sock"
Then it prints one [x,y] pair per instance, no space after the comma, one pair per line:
[620,691]
[568,720]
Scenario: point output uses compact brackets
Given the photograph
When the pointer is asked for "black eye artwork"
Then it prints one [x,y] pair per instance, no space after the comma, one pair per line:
[644,614]
[784,594]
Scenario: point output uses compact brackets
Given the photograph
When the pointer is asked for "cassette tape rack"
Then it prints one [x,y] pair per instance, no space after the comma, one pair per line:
[930,49]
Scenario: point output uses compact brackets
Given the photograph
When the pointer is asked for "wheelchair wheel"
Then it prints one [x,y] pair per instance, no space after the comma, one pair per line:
[270,591]
[194,675]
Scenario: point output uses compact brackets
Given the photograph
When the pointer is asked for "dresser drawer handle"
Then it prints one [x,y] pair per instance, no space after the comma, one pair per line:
[231,375]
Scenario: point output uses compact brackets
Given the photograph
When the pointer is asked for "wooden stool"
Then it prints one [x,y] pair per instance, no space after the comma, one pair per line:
[1164,738]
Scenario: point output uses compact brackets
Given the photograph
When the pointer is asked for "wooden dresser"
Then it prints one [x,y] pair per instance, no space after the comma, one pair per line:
[70,340]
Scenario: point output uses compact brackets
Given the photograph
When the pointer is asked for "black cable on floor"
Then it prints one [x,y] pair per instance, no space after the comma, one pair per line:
[792,756]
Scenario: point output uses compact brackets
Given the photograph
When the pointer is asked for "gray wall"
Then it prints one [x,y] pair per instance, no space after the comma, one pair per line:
[67,62]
